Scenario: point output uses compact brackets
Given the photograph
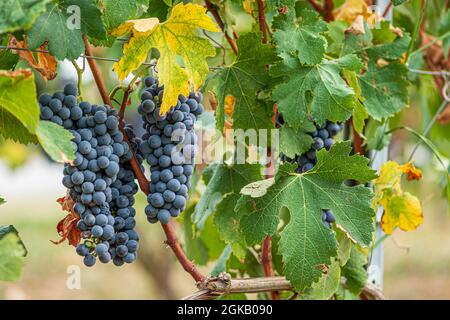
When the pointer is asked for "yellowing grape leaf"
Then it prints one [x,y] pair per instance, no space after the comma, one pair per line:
[401,209]
[351,9]
[175,38]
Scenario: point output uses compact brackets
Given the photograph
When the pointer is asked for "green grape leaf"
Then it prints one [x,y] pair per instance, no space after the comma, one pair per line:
[59,25]
[62,41]
[224,180]
[383,82]
[300,36]
[18,97]
[318,89]
[226,220]
[306,243]
[56,141]
[12,254]
[90,17]
[397,2]
[19,14]
[295,141]
[243,79]
[2,201]
[12,128]
[344,247]
[354,271]
[194,247]
[114,14]
[335,36]
[328,283]
[210,237]
[8,59]
[117,12]
[158,9]
[221,264]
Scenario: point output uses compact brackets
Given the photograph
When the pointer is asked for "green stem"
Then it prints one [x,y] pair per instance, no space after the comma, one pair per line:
[416,30]
[80,79]
[429,44]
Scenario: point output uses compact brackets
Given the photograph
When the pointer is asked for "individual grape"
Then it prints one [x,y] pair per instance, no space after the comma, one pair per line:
[89,260]
[156,200]
[112,169]
[129,258]
[101,220]
[122,238]
[101,249]
[328,143]
[164,216]
[317,143]
[70,101]
[108,232]
[70,89]
[46,113]
[55,105]
[179,202]
[77,178]
[100,117]
[82,250]
[97,231]
[121,250]
[132,246]
[105,258]
[87,187]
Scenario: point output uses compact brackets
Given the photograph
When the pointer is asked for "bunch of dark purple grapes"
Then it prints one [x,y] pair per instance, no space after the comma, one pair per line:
[169,146]
[99,180]
[323,137]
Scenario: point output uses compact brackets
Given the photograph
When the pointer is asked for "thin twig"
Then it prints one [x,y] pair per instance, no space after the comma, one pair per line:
[387,9]
[212,8]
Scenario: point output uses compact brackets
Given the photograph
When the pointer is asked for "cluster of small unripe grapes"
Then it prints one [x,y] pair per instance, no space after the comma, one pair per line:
[323,137]
[169,146]
[99,180]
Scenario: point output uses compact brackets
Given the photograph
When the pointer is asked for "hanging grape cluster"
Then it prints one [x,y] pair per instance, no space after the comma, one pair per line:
[169,146]
[99,180]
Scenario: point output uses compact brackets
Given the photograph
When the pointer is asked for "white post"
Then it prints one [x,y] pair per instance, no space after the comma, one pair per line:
[375,270]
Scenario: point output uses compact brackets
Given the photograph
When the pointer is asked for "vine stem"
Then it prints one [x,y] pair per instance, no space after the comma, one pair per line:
[266,247]
[328,10]
[357,141]
[316,6]
[171,238]
[96,73]
[262,21]
[212,8]
[215,287]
